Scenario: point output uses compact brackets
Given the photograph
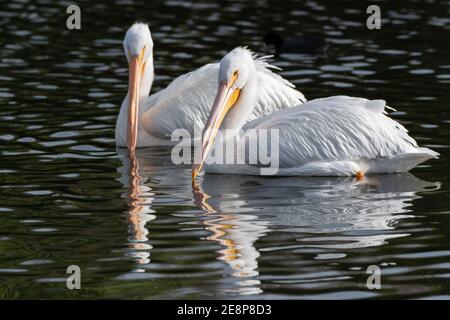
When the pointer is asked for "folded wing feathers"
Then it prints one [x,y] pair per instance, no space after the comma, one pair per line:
[274,92]
[339,128]
[188,80]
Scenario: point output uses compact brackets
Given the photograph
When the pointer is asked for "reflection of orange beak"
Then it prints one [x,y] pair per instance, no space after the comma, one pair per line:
[225,99]
[136,67]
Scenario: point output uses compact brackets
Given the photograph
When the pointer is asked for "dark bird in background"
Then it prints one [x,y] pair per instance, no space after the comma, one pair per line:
[299,44]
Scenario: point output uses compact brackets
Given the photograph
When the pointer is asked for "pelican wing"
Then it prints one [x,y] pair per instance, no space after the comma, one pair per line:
[340,129]
[187,101]
[274,92]
[184,104]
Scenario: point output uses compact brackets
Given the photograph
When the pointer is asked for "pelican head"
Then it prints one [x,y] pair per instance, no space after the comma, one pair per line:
[138,46]
[235,71]
[235,67]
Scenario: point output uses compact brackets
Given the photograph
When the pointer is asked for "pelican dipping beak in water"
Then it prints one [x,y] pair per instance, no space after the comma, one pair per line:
[145,121]
[334,136]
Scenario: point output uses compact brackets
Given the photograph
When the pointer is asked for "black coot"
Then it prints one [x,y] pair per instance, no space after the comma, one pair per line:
[299,44]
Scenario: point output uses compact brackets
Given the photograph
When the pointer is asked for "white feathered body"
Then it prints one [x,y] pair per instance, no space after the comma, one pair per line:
[336,136]
[186,103]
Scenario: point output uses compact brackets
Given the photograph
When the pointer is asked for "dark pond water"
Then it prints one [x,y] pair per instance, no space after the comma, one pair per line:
[136,227]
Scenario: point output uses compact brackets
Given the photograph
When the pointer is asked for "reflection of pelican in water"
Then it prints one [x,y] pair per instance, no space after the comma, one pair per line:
[139,196]
[340,213]
[345,211]
[326,213]
[237,233]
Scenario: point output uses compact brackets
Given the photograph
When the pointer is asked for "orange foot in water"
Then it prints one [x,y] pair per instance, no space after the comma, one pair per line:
[359,175]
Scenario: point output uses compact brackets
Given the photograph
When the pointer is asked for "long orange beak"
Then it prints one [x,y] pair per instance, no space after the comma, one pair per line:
[225,99]
[136,67]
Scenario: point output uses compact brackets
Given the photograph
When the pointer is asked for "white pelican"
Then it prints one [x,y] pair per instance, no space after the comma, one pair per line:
[334,136]
[148,121]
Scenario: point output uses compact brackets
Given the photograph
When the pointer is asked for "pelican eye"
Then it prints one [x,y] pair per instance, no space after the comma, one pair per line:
[234,77]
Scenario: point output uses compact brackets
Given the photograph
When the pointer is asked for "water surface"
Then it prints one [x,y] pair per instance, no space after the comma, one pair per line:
[137,228]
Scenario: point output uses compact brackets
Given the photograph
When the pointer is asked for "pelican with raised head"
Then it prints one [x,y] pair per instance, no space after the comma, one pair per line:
[334,136]
[145,120]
